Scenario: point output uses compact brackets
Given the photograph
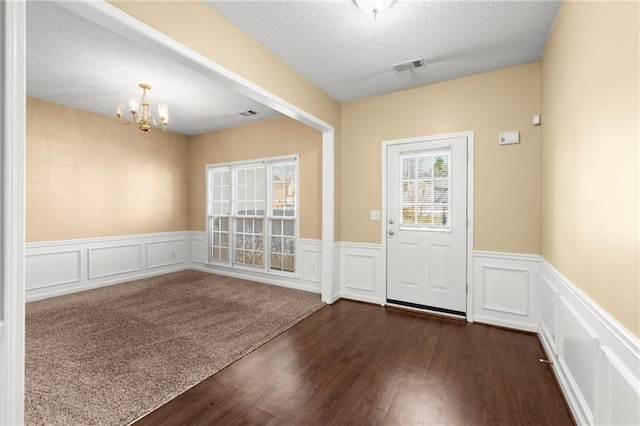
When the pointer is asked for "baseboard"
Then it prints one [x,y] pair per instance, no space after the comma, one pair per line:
[55,268]
[595,359]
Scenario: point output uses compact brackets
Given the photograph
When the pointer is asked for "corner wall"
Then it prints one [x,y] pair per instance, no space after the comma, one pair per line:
[589,157]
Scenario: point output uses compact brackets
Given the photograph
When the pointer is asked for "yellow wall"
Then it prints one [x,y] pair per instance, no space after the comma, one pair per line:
[202,29]
[506,181]
[89,176]
[269,138]
[589,153]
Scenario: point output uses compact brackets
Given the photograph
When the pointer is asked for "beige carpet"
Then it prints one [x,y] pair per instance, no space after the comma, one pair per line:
[108,356]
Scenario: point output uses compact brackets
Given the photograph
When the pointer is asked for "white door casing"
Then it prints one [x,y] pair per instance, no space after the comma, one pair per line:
[426,223]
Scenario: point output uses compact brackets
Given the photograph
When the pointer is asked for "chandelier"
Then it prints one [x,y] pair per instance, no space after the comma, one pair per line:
[145,120]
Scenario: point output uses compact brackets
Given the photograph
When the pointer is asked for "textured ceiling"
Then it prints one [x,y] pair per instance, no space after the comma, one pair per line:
[349,54]
[75,62]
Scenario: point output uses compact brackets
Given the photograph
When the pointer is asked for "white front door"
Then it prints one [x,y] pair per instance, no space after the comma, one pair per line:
[427,224]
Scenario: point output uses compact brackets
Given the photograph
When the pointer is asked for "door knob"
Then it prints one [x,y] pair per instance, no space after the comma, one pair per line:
[391,232]
[391,221]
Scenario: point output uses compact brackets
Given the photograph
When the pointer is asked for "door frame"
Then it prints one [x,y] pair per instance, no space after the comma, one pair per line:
[383,226]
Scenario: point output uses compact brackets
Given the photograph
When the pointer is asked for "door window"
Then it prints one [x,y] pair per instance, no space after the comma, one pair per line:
[425,184]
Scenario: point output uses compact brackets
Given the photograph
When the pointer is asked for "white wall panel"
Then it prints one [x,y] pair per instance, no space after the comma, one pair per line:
[311,264]
[549,311]
[114,260]
[165,253]
[595,359]
[361,276]
[505,289]
[578,346]
[620,395]
[52,268]
[55,268]
[197,247]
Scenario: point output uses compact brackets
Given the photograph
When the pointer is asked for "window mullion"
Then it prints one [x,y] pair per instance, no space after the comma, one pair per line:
[268,204]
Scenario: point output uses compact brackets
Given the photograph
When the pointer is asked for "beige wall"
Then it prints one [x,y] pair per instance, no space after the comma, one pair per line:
[269,138]
[202,29]
[506,181]
[589,153]
[89,176]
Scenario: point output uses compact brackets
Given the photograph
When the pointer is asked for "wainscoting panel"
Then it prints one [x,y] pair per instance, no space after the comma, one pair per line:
[620,395]
[198,252]
[114,260]
[596,360]
[505,289]
[361,272]
[54,268]
[578,350]
[166,253]
[311,264]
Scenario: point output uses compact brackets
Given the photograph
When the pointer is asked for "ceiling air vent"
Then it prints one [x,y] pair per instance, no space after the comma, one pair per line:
[249,113]
[409,65]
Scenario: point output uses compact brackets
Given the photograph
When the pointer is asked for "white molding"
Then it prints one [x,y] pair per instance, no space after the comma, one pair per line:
[603,317]
[119,266]
[12,233]
[470,135]
[357,281]
[77,269]
[510,281]
[125,270]
[602,373]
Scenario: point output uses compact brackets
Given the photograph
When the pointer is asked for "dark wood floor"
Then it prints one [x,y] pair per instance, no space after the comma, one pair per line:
[352,363]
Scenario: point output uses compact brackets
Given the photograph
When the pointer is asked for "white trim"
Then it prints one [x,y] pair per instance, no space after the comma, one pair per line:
[511,281]
[328,286]
[106,240]
[621,334]
[111,17]
[470,135]
[604,347]
[12,106]
[50,274]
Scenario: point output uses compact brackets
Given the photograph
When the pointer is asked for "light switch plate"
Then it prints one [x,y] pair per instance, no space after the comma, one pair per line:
[375,214]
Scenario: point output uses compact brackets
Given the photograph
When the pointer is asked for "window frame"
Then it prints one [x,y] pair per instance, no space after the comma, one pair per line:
[268,163]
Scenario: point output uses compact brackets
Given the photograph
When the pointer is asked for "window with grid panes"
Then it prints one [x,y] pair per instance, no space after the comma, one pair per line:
[252,214]
[425,189]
